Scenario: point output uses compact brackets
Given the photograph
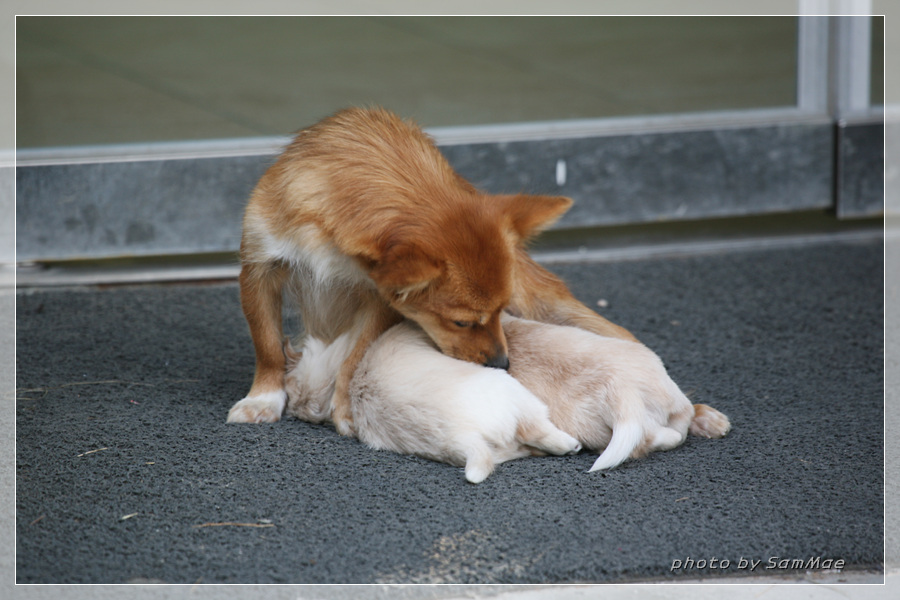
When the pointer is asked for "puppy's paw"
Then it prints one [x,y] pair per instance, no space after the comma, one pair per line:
[665,438]
[708,422]
[559,443]
[573,445]
[262,408]
[478,469]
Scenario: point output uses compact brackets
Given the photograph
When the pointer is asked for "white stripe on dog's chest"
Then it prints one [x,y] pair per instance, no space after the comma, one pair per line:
[310,250]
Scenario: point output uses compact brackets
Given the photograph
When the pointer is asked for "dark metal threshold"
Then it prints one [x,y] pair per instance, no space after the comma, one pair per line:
[594,244]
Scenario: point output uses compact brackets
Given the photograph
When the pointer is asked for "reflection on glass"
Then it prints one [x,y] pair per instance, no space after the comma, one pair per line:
[91,80]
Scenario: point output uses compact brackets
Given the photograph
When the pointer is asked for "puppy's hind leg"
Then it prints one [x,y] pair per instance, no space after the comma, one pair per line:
[540,434]
[674,432]
[666,438]
[479,460]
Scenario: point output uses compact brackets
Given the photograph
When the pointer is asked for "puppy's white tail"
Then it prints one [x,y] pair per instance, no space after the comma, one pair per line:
[625,438]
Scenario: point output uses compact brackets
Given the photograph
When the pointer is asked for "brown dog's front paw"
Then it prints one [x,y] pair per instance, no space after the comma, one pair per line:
[263,408]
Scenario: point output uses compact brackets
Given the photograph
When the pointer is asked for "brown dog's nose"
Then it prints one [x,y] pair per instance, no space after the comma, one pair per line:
[501,361]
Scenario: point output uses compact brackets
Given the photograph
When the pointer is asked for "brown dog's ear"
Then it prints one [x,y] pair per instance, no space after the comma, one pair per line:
[530,215]
[404,269]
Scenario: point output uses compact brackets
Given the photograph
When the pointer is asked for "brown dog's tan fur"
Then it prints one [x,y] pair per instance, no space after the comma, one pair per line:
[366,222]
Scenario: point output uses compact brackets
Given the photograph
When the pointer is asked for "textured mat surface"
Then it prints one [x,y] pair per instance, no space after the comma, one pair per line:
[127,471]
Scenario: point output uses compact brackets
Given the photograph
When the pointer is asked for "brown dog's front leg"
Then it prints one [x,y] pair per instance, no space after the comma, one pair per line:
[541,296]
[261,285]
[342,415]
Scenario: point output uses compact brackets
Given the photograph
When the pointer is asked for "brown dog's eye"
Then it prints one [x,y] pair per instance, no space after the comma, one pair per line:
[462,324]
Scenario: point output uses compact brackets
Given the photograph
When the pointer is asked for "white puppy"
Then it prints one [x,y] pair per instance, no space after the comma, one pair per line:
[613,395]
[408,397]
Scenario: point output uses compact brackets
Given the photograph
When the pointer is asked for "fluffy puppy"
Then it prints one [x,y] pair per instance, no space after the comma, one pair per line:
[613,395]
[565,388]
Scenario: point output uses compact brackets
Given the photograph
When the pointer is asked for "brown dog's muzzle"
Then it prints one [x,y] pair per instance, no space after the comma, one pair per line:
[500,360]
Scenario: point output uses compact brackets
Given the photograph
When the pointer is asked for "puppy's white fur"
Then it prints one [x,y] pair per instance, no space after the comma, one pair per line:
[612,395]
[409,398]
[566,387]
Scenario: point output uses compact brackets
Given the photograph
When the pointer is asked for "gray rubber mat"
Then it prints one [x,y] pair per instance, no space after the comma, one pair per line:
[127,471]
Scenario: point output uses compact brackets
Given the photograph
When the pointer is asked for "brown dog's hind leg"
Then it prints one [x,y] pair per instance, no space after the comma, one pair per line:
[261,285]
[541,296]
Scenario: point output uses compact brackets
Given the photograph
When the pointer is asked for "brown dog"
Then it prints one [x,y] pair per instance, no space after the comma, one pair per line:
[366,222]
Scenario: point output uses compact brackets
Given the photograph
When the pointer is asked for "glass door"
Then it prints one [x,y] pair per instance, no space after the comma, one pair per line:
[142,136]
